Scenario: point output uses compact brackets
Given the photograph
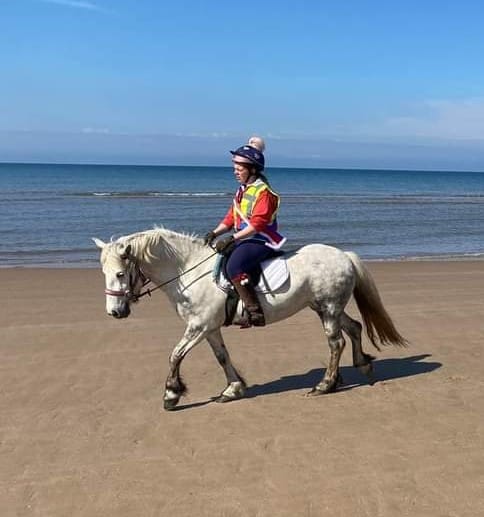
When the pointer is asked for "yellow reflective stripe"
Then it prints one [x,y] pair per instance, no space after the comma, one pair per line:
[249,198]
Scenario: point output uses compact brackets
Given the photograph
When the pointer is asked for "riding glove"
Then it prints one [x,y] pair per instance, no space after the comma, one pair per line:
[226,245]
[209,238]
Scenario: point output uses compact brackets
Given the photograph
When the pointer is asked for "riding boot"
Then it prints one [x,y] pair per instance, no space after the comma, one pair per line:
[255,316]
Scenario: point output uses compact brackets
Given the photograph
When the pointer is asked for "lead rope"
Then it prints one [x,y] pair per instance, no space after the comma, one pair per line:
[149,291]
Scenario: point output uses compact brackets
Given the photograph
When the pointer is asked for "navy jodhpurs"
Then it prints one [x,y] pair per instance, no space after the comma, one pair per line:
[246,257]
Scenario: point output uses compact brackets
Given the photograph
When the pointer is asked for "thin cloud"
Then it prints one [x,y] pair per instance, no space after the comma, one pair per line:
[76,4]
[95,130]
[449,119]
[431,120]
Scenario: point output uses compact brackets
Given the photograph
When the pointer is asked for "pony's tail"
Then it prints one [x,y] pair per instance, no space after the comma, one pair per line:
[379,325]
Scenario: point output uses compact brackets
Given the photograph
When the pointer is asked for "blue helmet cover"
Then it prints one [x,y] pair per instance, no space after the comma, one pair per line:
[252,154]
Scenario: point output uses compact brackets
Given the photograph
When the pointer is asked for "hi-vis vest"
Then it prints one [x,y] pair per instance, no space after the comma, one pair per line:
[243,211]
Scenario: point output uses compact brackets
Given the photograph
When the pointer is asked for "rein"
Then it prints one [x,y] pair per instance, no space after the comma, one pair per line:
[149,291]
[134,298]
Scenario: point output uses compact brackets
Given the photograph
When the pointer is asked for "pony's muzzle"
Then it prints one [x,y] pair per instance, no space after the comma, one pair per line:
[122,312]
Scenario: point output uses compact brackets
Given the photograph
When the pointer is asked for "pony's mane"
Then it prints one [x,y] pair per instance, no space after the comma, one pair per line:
[146,244]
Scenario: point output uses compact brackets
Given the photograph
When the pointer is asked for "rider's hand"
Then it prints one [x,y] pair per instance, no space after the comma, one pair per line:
[209,238]
[225,245]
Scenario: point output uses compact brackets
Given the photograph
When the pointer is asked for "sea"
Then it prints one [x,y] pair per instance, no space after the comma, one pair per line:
[50,212]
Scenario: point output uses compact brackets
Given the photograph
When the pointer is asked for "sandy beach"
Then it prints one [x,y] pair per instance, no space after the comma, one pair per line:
[83,433]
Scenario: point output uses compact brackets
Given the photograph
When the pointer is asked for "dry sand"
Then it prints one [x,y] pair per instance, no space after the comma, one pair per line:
[82,432]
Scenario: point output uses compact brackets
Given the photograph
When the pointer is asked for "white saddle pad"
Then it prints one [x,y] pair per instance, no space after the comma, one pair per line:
[274,275]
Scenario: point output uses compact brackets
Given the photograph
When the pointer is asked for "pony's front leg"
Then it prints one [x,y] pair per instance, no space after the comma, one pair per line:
[236,386]
[174,387]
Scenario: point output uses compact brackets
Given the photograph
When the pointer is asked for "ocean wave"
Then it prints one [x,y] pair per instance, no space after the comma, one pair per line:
[45,252]
[429,257]
[360,197]
[384,199]
[149,194]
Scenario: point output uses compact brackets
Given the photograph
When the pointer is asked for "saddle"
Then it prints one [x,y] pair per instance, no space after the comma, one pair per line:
[272,274]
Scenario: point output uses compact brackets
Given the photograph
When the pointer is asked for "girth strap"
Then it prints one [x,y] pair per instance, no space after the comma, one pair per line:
[231,303]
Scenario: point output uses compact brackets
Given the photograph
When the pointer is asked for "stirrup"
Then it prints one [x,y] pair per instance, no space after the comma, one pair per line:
[257,319]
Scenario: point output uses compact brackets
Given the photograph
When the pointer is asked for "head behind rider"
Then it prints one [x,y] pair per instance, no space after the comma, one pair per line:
[252,219]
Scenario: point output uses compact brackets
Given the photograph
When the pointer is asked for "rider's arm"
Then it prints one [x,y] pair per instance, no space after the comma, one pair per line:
[246,232]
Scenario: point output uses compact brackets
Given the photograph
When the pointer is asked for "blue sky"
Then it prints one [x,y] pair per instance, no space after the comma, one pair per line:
[328,84]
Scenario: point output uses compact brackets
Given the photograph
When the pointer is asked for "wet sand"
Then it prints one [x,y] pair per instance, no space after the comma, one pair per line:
[83,433]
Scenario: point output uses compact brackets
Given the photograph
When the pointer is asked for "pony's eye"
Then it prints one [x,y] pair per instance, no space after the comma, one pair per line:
[120,274]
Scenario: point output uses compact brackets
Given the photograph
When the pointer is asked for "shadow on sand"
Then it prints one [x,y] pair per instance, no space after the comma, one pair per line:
[384,370]
[192,405]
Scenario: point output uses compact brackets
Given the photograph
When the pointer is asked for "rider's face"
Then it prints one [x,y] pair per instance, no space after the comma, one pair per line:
[242,172]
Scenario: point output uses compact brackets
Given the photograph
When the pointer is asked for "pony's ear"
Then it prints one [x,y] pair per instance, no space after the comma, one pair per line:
[126,252]
[99,243]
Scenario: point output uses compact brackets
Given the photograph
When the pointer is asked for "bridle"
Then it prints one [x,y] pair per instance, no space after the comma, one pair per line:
[135,273]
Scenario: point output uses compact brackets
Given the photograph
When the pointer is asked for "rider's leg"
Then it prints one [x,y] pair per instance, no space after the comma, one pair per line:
[243,261]
[249,297]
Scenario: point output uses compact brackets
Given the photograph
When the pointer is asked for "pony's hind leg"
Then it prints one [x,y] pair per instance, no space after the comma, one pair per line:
[361,360]
[336,341]
[236,386]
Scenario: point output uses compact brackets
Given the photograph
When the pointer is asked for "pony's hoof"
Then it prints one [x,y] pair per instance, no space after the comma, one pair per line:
[233,391]
[323,388]
[169,404]
[367,371]
[315,392]
[371,378]
[222,399]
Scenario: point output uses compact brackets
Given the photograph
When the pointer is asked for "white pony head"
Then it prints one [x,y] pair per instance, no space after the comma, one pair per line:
[124,279]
